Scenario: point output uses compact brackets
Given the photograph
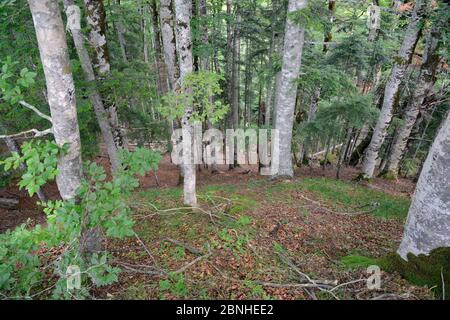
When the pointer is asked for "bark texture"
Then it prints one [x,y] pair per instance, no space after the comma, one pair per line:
[160,65]
[286,92]
[427,78]
[167,16]
[428,223]
[73,24]
[60,92]
[392,87]
[183,9]
[96,20]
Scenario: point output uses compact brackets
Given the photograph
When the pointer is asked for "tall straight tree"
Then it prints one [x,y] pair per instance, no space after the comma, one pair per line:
[73,24]
[426,80]
[183,11]
[167,16]
[160,65]
[286,91]
[428,223]
[96,19]
[397,75]
[60,92]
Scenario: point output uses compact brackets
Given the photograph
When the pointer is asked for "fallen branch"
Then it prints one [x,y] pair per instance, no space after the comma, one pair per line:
[184,245]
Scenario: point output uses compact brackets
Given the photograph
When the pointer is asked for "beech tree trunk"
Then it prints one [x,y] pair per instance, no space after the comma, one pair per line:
[96,19]
[427,78]
[60,92]
[183,10]
[392,87]
[167,16]
[160,65]
[73,24]
[286,93]
[428,223]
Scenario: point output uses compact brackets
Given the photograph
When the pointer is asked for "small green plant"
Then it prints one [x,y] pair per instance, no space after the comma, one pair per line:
[256,290]
[175,284]
[41,157]
[355,261]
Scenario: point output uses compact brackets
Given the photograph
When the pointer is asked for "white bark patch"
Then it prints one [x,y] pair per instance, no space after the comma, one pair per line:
[428,223]
[286,91]
[60,90]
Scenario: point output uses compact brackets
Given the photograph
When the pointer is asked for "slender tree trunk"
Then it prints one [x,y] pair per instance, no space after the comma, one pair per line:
[96,19]
[60,92]
[183,10]
[121,35]
[428,223]
[160,65]
[235,78]
[286,93]
[167,16]
[73,24]
[424,85]
[392,88]
[328,34]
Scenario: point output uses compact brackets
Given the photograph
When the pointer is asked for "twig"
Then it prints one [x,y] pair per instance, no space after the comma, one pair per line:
[36,110]
[185,245]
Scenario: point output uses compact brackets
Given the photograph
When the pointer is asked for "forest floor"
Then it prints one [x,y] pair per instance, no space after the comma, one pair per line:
[253,238]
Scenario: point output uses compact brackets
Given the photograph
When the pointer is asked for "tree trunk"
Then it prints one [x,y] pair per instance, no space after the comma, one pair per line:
[424,85]
[160,65]
[121,35]
[166,13]
[235,77]
[60,92]
[73,24]
[392,88]
[428,223]
[183,10]
[328,34]
[96,19]
[286,93]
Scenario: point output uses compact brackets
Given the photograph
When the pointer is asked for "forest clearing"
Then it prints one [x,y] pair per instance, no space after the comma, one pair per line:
[224,150]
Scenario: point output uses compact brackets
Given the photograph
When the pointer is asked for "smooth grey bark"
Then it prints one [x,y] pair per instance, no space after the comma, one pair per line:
[167,17]
[426,80]
[183,11]
[60,92]
[428,224]
[286,92]
[229,56]
[73,24]
[392,88]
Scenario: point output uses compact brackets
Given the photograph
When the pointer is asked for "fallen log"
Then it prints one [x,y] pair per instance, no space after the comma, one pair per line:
[9,203]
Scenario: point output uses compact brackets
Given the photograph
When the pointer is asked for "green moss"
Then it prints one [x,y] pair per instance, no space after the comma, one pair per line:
[356,261]
[423,270]
[351,196]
